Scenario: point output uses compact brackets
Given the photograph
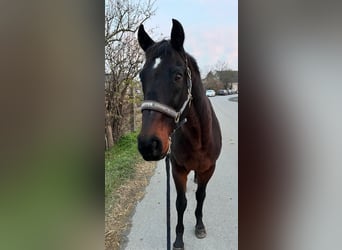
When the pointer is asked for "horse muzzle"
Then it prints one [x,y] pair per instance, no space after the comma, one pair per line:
[151,148]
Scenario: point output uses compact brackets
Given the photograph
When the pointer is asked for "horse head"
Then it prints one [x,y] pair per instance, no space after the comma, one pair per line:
[165,83]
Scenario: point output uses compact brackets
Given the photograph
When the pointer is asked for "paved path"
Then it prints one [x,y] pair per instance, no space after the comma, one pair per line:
[220,212]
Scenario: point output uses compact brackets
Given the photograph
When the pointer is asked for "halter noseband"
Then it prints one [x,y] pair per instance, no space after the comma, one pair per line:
[167,110]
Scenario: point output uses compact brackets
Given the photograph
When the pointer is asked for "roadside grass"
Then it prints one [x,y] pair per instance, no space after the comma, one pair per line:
[120,162]
[126,177]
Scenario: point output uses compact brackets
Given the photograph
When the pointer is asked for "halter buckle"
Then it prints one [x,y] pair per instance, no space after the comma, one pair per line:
[177,117]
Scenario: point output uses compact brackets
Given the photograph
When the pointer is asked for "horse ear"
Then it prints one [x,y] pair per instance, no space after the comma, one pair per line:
[144,39]
[177,35]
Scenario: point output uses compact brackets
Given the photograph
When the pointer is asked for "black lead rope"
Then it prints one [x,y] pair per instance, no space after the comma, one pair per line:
[168,226]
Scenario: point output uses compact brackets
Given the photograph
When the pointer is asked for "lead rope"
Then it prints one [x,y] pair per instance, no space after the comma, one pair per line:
[168,213]
[168,226]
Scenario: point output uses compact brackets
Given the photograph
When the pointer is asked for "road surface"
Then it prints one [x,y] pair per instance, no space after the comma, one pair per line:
[220,211]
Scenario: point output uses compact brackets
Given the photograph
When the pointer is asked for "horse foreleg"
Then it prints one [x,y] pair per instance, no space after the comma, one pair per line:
[200,231]
[180,179]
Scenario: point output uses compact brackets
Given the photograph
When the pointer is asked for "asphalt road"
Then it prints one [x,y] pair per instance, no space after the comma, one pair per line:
[220,212]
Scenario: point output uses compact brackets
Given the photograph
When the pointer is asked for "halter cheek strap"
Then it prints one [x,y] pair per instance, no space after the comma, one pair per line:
[167,110]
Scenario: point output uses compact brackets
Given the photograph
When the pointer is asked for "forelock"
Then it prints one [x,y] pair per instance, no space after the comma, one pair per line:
[159,49]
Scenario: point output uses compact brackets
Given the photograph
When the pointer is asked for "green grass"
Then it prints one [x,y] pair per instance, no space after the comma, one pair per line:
[120,162]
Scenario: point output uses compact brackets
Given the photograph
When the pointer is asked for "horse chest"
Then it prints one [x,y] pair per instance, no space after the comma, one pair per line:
[193,159]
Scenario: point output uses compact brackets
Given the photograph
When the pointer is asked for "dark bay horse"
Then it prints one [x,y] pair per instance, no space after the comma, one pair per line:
[178,118]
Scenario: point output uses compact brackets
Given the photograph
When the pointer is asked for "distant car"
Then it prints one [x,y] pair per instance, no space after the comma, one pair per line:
[232,91]
[210,92]
[222,92]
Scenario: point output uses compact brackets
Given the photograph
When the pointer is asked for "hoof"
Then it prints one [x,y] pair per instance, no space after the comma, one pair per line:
[200,233]
[177,248]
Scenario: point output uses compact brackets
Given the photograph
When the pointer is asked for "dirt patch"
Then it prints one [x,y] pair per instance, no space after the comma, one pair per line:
[118,214]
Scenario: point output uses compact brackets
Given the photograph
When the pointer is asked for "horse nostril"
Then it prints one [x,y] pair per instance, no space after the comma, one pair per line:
[150,148]
[155,144]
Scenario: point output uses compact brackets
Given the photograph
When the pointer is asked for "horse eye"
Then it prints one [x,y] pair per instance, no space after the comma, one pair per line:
[178,77]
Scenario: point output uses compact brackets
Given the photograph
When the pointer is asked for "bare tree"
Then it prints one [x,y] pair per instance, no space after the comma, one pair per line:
[211,81]
[123,59]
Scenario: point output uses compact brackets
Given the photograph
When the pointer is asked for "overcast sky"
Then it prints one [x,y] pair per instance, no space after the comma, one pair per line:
[211,29]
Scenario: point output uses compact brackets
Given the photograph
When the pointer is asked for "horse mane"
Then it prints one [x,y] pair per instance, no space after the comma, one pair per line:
[193,62]
[196,76]
[158,49]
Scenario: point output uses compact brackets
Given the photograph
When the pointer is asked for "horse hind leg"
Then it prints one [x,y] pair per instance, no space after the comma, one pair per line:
[202,179]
